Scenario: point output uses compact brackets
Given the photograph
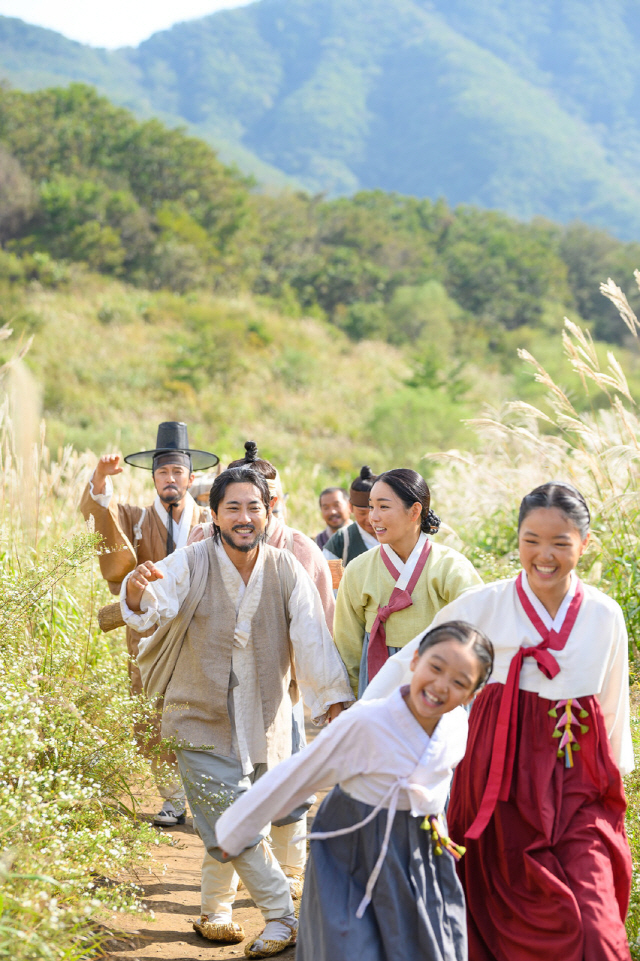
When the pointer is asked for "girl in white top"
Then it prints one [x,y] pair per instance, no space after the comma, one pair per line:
[539,795]
[377,886]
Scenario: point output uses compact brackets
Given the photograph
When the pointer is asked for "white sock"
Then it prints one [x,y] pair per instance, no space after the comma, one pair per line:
[275,931]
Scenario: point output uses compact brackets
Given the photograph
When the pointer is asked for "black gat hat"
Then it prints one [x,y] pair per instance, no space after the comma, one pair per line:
[173,438]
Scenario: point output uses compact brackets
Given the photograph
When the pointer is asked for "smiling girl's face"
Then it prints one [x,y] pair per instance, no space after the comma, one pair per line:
[550,547]
[445,676]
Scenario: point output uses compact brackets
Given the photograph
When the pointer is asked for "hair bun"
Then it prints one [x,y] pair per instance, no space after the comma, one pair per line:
[431,523]
[251,451]
[366,473]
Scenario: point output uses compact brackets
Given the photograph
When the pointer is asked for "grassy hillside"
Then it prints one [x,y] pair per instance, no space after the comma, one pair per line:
[527,107]
[112,361]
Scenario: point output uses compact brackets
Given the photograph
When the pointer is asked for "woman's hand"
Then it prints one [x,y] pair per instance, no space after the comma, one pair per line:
[138,582]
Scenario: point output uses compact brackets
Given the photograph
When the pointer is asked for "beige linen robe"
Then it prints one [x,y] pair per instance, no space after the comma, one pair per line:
[190,659]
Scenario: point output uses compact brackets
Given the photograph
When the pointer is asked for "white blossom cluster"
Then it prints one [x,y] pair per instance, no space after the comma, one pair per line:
[69,765]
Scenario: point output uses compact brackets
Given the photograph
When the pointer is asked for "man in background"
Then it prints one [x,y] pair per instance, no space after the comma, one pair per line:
[336,513]
[349,542]
[133,535]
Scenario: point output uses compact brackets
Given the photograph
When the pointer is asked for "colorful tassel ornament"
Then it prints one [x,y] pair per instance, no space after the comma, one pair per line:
[440,840]
[569,717]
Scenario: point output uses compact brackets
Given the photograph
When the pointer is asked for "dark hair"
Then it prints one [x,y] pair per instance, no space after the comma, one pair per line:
[565,497]
[412,488]
[365,480]
[333,490]
[468,636]
[236,475]
[251,459]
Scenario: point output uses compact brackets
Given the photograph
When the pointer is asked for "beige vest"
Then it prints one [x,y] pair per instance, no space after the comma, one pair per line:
[196,698]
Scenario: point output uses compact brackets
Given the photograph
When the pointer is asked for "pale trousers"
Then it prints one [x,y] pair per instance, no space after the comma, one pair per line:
[212,782]
[220,880]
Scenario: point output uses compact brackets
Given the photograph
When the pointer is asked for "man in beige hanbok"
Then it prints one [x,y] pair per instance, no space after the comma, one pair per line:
[240,629]
[134,534]
[287,836]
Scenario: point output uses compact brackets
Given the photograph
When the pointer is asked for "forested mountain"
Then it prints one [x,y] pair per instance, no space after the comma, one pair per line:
[82,181]
[116,232]
[528,106]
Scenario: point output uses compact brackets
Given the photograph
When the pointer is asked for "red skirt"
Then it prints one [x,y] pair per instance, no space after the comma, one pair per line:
[550,877]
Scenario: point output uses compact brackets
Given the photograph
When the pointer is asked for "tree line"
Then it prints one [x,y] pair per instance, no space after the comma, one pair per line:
[82,181]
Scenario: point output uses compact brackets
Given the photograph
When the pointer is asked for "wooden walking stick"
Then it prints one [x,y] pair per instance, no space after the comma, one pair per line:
[110,617]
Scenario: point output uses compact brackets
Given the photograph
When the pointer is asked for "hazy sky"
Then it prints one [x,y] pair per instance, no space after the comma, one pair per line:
[117,23]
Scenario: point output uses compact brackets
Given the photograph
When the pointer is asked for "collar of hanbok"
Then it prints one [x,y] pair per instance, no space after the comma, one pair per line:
[368,539]
[245,598]
[428,784]
[405,570]
[551,623]
[552,639]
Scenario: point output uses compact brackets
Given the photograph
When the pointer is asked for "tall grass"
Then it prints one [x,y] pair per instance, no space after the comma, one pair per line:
[68,829]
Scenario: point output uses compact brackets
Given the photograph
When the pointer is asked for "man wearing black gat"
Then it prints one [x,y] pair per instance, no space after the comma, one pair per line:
[134,534]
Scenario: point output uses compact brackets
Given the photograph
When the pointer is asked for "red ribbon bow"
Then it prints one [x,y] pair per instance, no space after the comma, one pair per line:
[504,743]
[378,652]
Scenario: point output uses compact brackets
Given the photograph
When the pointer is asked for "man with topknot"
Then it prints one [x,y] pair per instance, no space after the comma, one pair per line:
[219,881]
[240,631]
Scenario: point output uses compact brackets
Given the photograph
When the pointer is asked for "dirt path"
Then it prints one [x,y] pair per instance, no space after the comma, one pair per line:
[174,897]
[172,892]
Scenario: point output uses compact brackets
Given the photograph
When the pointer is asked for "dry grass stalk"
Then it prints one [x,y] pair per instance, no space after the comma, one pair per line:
[620,302]
[597,450]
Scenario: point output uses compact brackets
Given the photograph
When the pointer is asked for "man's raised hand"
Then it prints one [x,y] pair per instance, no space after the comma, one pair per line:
[108,465]
[139,580]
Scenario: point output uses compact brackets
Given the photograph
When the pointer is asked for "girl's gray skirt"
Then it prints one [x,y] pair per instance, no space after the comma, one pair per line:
[417,911]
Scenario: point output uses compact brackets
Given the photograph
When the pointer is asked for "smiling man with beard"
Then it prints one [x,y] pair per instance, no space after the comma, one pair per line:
[239,625]
[134,534]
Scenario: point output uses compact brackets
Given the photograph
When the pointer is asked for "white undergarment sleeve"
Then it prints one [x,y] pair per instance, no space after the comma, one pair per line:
[320,672]
[162,599]
[105,498]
